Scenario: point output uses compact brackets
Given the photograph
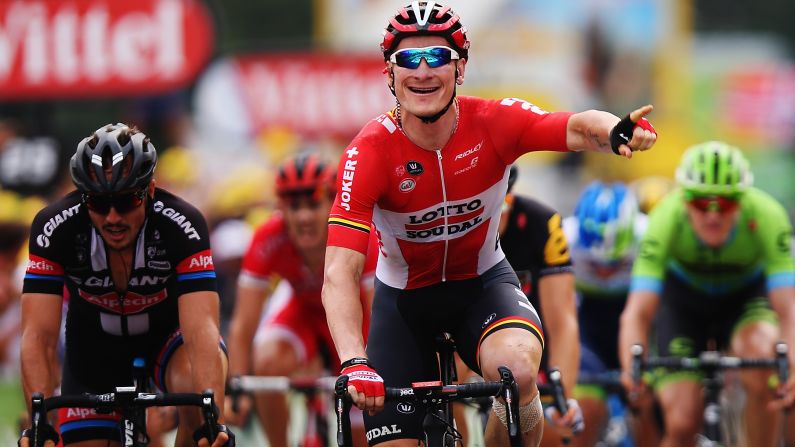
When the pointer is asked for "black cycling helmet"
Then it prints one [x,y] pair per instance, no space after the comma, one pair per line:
[425,18]
[126,152]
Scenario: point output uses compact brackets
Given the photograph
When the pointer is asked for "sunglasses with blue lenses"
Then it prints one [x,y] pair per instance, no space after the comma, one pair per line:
[122,203]
[434,56]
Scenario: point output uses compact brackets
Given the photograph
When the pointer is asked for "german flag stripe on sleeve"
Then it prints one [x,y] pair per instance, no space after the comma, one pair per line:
[349,224]
[512,321]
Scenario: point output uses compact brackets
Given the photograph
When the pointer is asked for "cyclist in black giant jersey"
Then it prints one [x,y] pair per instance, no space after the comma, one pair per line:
[136,263]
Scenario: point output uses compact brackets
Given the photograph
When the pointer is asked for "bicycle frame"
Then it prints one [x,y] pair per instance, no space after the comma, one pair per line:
[711,363]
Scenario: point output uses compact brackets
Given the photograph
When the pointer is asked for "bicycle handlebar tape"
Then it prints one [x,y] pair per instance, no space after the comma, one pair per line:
[637,353]
[782,363]
[342,406]
[559,397]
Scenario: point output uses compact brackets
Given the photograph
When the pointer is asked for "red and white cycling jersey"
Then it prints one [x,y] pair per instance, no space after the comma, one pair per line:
[272,256]
[437,212]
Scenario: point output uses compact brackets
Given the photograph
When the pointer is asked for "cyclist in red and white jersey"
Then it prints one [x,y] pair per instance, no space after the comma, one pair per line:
[431,176]
[289,247]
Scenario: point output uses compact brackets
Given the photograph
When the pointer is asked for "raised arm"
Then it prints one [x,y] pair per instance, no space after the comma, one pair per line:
[590,130]
[41,326]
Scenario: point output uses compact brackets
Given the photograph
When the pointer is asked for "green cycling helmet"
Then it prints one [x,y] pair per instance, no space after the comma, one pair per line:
[714,168]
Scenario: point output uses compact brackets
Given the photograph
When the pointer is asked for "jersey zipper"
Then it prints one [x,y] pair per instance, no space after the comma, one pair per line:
[444,202]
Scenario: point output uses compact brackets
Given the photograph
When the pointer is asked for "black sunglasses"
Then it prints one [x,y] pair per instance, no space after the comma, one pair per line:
[122,203]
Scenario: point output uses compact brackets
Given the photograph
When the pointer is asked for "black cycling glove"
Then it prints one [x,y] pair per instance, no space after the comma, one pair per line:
[46,432]
[203,433]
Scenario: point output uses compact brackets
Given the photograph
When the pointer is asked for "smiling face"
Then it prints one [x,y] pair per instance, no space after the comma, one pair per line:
[424,91]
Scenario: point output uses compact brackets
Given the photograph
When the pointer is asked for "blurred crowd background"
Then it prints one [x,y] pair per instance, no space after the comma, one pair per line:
[227,88]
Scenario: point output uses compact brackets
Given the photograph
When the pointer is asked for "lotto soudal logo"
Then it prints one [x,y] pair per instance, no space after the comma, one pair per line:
[383,431]
[445,220]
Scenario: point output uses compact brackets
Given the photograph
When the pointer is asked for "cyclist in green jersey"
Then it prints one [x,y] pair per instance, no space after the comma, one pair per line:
[715,266]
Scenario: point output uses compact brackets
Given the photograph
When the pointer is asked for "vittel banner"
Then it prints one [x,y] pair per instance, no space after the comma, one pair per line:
[90,48]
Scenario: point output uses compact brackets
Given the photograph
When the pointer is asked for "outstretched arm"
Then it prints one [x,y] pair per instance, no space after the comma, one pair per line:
[590,130]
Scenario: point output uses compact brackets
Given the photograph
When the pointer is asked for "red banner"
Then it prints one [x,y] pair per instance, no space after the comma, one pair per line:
[89,48]
[313,94]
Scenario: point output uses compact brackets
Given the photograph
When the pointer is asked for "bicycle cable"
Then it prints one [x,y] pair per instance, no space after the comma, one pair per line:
[457,437]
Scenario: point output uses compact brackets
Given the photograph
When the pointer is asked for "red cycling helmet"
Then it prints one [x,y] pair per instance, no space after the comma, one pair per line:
[425,18]
[305,173]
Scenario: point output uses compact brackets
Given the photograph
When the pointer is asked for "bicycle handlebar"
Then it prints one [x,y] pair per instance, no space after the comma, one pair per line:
[710,361]
[435,393]
[253,384]
[123,397]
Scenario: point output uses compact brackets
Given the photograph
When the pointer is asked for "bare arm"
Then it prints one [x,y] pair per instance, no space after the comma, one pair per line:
[559,308]
[41,325]
[590,130]
[341,300]
[198,320]
[636,320]
[246,317]
[782,300]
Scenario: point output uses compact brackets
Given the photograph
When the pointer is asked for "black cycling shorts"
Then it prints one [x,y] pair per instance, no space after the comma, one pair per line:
[689,319]
[83,424]
[404,325]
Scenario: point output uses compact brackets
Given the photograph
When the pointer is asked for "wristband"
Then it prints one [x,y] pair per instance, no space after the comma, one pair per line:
[354,362]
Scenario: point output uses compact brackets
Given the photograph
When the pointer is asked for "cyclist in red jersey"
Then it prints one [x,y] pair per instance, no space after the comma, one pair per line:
[136,263]
[431,176]
[290,246]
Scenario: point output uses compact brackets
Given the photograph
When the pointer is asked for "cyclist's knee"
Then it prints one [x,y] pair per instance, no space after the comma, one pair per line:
[682,425]
[517,349]
[275,358]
